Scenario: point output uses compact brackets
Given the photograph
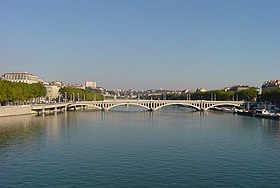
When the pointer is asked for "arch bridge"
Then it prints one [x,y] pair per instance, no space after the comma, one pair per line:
[153,105]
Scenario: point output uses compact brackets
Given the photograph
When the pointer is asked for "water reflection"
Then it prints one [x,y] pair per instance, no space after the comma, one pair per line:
[30,129]
[131,148]
[22,129]
[134,108]
[131,108]
[270,128]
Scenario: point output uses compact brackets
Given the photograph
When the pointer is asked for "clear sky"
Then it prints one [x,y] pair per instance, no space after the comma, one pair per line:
[143,44]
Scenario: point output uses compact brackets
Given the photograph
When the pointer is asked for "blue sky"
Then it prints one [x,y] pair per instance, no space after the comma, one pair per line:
[143,44]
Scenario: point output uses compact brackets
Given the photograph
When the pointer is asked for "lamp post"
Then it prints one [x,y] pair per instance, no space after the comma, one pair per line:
[84,97]
[78,97]
[65,96]
[49,96]
[73,97]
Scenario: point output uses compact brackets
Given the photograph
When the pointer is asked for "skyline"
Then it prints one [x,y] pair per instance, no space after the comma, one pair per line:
[143,44]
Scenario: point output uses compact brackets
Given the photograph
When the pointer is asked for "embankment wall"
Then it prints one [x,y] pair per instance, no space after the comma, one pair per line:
[15,110]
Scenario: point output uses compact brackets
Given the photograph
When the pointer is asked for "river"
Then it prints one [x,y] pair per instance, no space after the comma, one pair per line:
[173,147]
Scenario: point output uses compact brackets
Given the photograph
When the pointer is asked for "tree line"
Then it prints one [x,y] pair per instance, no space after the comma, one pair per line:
[221,95]
[246,95]
[70,93]
[272,96]
[20,92]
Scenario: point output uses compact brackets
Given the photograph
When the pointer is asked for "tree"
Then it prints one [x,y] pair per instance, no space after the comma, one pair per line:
[247,94]
[272,96]
[89,95]
[14,91]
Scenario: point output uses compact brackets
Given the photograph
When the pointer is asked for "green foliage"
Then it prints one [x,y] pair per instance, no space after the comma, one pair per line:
[212,95]
[247,94]
[220,95]
[15,91]
[271,96]
[89,95]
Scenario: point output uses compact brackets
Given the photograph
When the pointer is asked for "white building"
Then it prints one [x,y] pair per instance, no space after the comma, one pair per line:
[52,92]
[90,84]
[23,77]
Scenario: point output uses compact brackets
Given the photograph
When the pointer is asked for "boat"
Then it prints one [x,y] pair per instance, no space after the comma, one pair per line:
[245,112]
[263,113]
[223,109]
[229,110]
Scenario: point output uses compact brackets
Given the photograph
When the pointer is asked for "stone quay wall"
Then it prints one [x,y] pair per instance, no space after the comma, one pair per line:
[15,110]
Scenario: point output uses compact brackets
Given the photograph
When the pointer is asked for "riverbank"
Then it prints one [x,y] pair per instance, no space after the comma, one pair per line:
[15,110]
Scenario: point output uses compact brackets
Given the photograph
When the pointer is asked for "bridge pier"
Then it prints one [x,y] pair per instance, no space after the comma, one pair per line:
[105,109]
[152,110]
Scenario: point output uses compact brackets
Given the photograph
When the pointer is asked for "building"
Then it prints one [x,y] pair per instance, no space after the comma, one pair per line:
[239,87]
[52,92]
[90,84]
[23,77]
[56,83]
[78,86]
[201,90]
[270,85]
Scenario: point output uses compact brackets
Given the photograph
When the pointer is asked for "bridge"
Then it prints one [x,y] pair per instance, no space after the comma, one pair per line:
[55,107]
[150,105]
[153,105]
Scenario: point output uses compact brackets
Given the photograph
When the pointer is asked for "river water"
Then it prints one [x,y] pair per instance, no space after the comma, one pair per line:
[169,148]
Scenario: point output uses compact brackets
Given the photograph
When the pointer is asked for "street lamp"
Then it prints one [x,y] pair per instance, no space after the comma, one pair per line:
[78,96]
[84,97]
[49,96]
[65,96]
[73,97]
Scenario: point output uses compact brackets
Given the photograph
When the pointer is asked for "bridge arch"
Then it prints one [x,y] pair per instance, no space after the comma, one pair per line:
[183,104]
[125,104]
[88,105]
[96,107]
[223,104]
